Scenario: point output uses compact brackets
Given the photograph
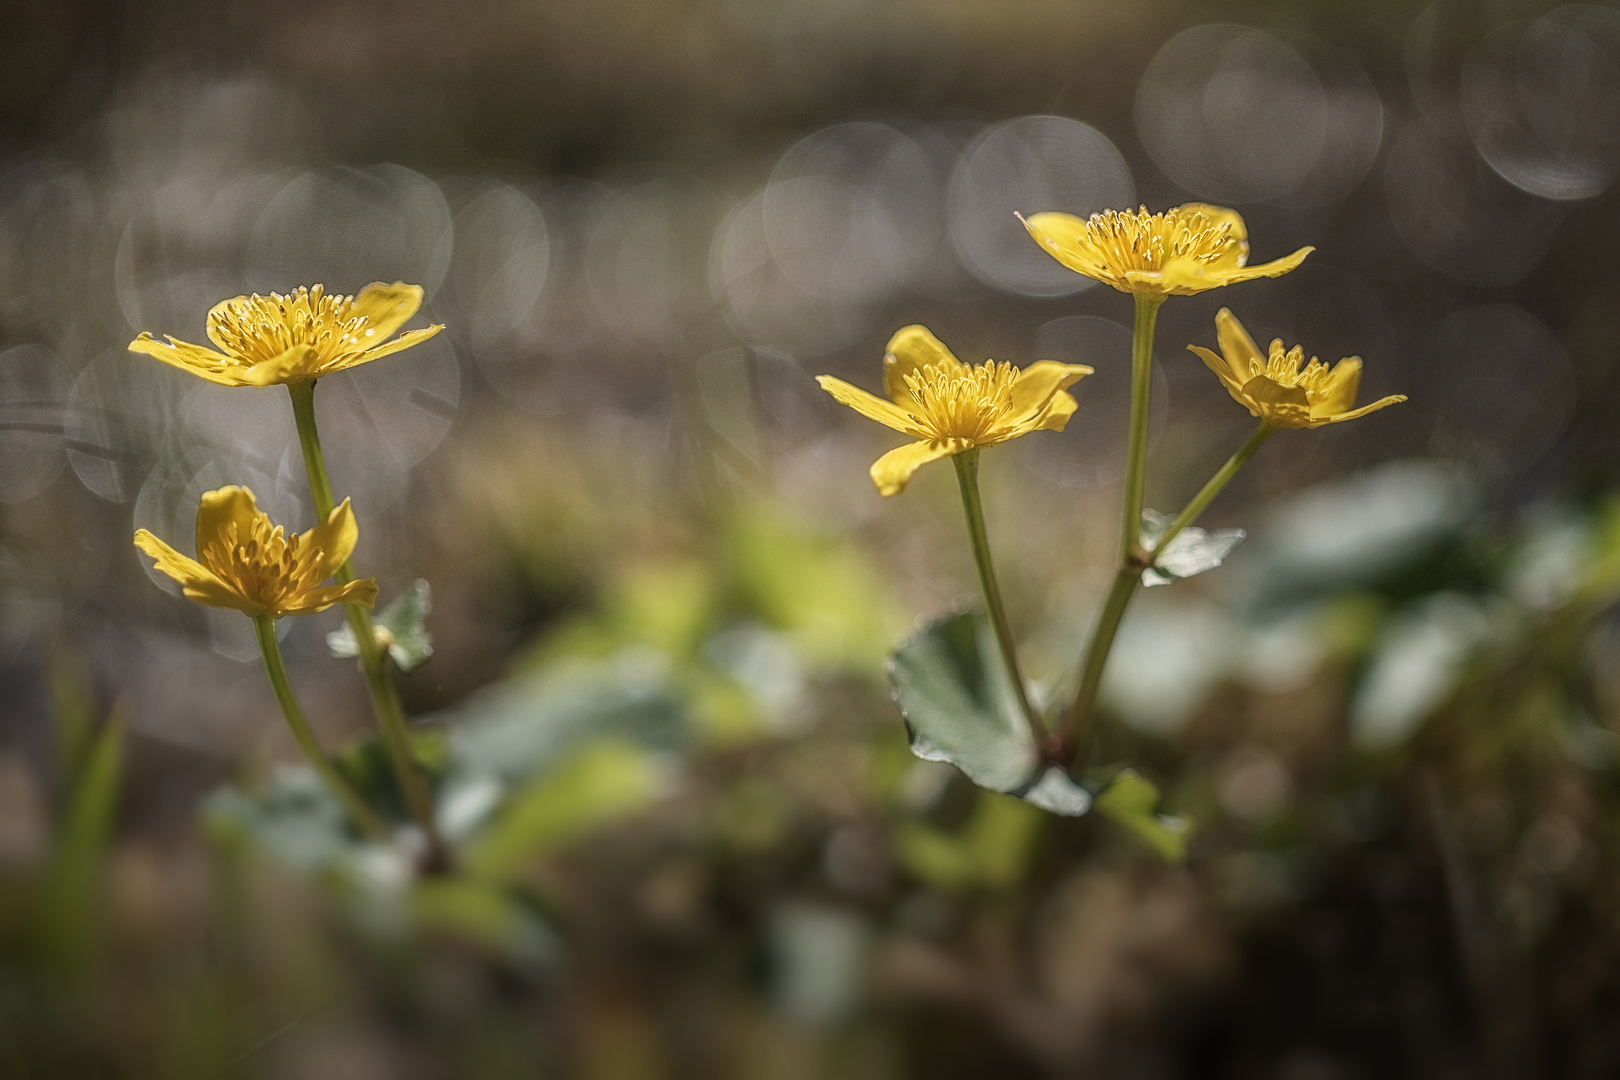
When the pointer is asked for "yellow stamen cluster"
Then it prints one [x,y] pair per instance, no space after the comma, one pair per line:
[1182,251]
[254,329]
[304,335]
[950,407]
[962,402]
[247,563]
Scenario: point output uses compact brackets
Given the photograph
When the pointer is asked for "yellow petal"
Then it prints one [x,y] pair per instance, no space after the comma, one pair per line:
[1066,238]
[362,592]
[335,537]
[224,312]
[893,470]
[1223,371]
[1055,414]
[297,363]
[1274,268]
[1243,356]
[222,508]
[386,308]
[871,406]
[910,348]
[196,581]
[1339,394]
[1393,399]
[199,361]
[1284,406]
[1037,384]
[387,348]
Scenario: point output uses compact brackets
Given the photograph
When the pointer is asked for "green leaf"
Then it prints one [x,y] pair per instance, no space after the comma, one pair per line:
[410,645]
[1133,802]
[959,704]
[601,782]
[92,802]
[992,850]
[1192,551]
[488,916]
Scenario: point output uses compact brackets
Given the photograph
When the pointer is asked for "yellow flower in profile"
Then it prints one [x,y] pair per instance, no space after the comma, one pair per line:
[1276,389]
[246,564]
[1182,251]
[949,406]
[264,340]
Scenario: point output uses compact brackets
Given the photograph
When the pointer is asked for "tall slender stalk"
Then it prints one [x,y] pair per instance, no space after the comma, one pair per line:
[967,477]
[1206,495]
[363,815]
[373,660]
[1075,730]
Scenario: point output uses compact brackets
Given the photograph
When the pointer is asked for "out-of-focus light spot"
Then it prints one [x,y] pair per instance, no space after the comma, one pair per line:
[30,611]
[1542,101]
[1333,313]
[502,255]
[1232,114]
[1504,389]
[644,260]
[1419,660]
[761,304]
[854,211]
[1091,448]
[754,398]
[1458,217]
[50,231]
[33,392]
[1030,165]
[121,410]
[345,228]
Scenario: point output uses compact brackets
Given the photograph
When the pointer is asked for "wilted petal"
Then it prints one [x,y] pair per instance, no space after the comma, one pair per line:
[911,348]
[386,308]
[871,406]
[893,470]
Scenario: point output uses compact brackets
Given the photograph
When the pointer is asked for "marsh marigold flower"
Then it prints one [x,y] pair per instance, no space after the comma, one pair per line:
[1274,387]
[247,564]
[1180,252]
[949,406]
[264,340]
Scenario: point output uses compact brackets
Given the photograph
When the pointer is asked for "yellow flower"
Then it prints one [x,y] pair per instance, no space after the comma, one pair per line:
[248,565]
[1180,252]
[949,406]
[1275,389]
[304,335]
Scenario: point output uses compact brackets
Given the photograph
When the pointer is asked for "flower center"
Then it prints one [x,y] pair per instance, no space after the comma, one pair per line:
[264,566]
[1137,240]
[257,328]
[1283,368]
[961,401]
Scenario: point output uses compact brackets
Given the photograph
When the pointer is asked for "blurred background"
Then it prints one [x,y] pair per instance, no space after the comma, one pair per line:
[659,570]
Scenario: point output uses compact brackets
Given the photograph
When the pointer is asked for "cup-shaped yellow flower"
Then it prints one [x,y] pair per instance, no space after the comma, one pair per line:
[245,563]
[1185,250]
[949,406]
[1276,388]
[264,340]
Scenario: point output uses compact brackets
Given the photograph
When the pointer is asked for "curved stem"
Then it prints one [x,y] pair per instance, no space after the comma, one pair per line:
[363,815]
[1075,730]
[1206,495]
[373,660]
[967,477]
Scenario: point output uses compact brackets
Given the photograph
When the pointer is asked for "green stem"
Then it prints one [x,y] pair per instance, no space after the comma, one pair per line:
[967,477]
[1206,495]
[363,815]
[1147,315]
[1075,730]
[373,660]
